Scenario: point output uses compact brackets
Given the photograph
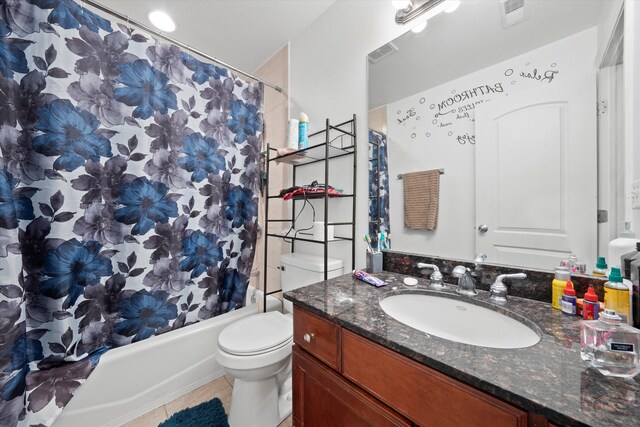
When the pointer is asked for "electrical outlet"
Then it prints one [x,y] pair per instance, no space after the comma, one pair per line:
[635,195]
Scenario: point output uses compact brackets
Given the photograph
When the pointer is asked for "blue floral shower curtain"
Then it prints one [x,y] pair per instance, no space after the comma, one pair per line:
[128,196]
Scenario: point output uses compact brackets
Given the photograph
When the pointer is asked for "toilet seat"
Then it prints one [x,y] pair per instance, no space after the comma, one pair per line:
[257,334]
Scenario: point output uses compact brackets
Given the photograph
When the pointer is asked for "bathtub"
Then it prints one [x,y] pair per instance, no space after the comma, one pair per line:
[132,380]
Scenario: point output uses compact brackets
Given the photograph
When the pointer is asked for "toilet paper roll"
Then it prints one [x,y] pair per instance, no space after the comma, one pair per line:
[318,231]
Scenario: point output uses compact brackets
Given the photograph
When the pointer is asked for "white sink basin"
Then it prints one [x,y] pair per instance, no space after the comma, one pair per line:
[459,321]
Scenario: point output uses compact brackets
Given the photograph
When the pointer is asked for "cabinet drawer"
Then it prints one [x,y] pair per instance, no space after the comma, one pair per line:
[318,336]
[427,397]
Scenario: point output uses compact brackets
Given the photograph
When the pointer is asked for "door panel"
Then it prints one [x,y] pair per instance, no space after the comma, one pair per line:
[535,186]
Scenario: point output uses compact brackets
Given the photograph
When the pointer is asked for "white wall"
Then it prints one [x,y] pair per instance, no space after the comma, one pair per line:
[632,88]
[328,66]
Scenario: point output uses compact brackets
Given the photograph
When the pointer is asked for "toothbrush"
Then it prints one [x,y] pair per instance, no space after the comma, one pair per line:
[368,240]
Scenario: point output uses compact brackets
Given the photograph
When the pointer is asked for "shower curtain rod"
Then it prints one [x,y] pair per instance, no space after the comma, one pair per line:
[174,41]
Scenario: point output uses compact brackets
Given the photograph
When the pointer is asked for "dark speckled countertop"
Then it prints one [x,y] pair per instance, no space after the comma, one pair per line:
[548,378]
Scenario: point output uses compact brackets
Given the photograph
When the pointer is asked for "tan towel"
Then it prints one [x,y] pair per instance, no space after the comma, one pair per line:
[421,199]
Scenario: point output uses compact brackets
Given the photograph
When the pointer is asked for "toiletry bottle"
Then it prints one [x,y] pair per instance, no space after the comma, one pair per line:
[292,134]
[627,259]
[620,246]
[568,302]
[610,346]
[601,267]
[558,284]
[303,133]
[581,267]
[635,299]
[616,295]
[572,263]
[590,305]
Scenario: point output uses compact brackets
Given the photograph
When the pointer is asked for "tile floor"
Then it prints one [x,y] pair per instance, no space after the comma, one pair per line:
[220,388]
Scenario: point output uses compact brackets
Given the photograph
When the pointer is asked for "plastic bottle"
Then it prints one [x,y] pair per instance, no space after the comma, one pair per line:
[618,247]
[601,267]
[572,263]
[590,305]
[558,284]
[292,134]
[616,295]
[303,132]
[569,300]
[635,295]
[627,259]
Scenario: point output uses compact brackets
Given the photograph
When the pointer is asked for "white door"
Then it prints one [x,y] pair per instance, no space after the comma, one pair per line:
[536,187]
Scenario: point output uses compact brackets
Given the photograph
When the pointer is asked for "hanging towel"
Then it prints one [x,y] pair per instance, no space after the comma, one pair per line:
[421,199]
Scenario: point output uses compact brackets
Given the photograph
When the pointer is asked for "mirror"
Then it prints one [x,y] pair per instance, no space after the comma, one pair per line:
[501,96]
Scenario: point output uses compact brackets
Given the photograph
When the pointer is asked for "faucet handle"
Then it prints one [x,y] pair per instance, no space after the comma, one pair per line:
[499,289]
[436,276]
[422,265]
[459,271]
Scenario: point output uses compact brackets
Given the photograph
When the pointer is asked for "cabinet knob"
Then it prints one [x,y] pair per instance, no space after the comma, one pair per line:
[309,337]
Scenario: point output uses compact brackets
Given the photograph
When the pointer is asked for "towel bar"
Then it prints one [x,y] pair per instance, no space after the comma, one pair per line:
[439,170]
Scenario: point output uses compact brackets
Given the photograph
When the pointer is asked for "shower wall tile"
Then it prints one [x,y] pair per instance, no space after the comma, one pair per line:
[276,114]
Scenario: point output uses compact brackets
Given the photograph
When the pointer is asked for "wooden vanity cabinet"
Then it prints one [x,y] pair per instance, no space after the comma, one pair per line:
[343,379]
[323,398]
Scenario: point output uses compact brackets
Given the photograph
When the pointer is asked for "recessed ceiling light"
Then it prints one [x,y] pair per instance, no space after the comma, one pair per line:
[420,27]
[162,21]
[451,5]
[401,4]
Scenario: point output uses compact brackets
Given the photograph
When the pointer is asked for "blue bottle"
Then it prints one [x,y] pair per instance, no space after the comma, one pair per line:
[303,132]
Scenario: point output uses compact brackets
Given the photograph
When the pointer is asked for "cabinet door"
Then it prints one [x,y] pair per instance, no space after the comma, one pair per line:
[321,398]
[426,396]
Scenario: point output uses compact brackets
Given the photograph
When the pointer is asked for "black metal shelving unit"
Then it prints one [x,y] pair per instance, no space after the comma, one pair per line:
[319,152]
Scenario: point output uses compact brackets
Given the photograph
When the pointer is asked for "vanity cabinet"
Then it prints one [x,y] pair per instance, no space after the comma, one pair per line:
[343,379]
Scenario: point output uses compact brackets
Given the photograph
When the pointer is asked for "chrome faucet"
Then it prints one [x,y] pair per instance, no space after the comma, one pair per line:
[466,283]
[499,289]
[436,276]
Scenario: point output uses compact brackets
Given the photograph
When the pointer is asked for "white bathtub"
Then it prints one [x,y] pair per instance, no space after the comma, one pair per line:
[132,380]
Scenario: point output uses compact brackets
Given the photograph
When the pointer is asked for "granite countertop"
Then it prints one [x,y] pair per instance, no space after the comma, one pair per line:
[548,378]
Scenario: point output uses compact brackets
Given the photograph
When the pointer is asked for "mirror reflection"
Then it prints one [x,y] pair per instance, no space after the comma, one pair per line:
[522,111]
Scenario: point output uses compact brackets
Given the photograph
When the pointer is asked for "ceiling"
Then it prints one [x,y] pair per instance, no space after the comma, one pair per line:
[469,39]
[243,33]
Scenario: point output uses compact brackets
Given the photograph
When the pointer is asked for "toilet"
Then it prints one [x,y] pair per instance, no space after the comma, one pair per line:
[256,350]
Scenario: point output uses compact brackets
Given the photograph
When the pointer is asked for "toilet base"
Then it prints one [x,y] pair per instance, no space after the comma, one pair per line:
[261,403]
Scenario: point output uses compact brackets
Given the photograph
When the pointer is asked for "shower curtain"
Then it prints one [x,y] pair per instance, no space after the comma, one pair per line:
[128,196]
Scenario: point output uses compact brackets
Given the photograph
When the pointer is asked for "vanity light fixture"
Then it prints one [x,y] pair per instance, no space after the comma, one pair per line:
[162,21]
[425,9]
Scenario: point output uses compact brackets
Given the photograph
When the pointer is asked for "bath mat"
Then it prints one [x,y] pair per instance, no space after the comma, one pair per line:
[207,414]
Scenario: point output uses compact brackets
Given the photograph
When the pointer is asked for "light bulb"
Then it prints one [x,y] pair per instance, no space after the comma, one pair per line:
[420,27]
[162,21]
[401,4]
[451,5]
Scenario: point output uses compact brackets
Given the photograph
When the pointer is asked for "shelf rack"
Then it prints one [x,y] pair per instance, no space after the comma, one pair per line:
[320,152]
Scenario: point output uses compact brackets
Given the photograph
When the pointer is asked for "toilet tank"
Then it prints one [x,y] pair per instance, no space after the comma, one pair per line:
[300,269]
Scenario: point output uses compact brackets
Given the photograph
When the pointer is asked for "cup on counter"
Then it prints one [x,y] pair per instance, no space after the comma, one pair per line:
[374,262]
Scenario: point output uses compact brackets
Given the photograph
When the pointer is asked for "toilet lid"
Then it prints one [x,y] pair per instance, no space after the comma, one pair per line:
[256,334]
